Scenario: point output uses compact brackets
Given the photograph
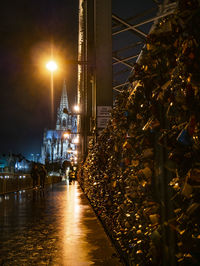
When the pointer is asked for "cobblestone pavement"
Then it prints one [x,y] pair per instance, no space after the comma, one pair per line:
[54,226]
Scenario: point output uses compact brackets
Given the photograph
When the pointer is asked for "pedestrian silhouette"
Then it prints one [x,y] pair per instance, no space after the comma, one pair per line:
[35,175]
[43,174]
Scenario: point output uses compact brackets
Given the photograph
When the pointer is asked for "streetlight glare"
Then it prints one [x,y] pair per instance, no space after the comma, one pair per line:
[69,150]
[66,135]
[76,108]
[51,66]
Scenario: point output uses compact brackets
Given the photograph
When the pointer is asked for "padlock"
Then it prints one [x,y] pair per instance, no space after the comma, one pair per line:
[184,138]
[120,170]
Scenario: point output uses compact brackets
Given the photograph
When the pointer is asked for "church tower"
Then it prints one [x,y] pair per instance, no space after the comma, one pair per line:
[63,113]
[55,146]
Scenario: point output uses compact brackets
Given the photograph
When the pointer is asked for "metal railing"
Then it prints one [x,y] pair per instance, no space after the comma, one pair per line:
[17,182]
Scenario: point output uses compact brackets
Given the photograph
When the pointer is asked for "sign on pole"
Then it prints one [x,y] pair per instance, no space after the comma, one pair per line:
[103,116]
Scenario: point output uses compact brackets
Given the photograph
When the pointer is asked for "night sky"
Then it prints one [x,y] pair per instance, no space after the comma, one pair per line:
[28,28]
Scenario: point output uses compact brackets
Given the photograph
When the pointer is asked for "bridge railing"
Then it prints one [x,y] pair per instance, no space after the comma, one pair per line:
[10,182]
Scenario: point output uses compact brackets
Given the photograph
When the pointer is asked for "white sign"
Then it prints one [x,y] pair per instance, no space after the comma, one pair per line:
[102,121]
[104,110]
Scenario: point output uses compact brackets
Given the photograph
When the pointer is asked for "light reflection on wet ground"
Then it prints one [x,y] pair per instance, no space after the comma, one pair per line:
[55,226]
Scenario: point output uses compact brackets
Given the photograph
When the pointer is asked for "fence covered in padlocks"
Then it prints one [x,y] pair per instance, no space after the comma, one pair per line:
[142,176]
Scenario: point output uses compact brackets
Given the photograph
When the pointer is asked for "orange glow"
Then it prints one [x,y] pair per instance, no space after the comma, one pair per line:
[52,66]
[69,150]
[41,53]
[74,229]
[66,135]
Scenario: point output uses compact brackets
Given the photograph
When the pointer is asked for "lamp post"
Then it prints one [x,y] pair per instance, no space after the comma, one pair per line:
[52,66]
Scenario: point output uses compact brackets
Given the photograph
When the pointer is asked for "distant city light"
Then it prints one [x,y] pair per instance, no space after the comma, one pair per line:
[66,135]
[76,140]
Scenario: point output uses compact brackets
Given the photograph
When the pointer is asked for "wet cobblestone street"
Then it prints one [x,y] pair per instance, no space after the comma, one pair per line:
[54,226]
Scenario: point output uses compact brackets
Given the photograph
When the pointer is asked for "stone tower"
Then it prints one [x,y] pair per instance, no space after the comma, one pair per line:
[55,146]
[63,114]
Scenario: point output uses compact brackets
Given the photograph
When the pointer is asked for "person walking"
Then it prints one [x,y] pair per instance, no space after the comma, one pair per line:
[43,174]
[35,175]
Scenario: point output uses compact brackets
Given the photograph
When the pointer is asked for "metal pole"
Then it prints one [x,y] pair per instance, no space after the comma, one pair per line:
[52,105]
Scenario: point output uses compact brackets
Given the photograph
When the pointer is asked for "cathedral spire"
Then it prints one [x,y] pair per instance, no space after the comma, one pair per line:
[64,98]
[63,111]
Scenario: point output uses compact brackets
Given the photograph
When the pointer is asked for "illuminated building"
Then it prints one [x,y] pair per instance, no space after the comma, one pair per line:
[58,144]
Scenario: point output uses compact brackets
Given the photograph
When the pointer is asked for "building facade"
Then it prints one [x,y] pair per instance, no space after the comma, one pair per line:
[59,144]
[14,163]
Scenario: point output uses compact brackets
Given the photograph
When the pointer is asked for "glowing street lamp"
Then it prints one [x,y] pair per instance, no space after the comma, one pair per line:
[52,66]
[76,108]
[69,150]
[66,135]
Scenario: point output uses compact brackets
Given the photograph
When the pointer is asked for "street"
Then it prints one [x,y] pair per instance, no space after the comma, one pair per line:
[54,226]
